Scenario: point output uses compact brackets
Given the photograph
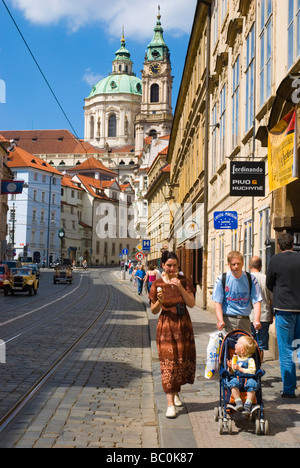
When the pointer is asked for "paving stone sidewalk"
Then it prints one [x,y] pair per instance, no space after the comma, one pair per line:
[195,425]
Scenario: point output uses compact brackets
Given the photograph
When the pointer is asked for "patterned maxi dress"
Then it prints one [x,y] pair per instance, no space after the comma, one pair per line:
[175,338]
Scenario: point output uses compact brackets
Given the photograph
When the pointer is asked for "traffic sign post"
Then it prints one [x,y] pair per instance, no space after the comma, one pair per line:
[139,256]
[146,245]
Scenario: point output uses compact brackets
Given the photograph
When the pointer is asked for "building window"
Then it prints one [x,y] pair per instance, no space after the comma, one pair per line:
[112,126]
[215,23]
[221,254]
[250,79]
[234,240]
[155,93]
[224,10]
[153,134]
[213,261]
[264,234]
[214,140]
[235,102]
[293,31]
[222,124]
[265,50]
[247,242]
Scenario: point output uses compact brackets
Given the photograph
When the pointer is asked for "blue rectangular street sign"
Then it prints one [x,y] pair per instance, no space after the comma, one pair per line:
[225,220]
[146,245]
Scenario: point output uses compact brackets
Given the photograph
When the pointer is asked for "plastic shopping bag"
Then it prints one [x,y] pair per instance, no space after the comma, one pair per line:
[213,353]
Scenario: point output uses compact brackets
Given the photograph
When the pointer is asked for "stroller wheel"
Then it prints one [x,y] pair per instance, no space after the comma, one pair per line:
[257,427]
[217,413]
[229,426]
[220,426]
[266,428]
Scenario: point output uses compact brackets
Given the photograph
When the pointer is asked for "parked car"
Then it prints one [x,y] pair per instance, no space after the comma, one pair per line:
[35,268]
[21,280]
[62,274]
[12,264]
[4,274]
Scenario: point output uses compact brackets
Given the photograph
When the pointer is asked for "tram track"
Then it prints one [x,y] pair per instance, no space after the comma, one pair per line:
[43,322]
[26,397]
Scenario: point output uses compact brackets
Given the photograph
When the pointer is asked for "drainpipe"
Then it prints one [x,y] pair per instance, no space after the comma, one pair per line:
[207,120]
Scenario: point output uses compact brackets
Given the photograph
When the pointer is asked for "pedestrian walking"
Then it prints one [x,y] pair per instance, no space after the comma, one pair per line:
[266,318]
[171,295]
[151,276]
[234,294]
[283,279]
[140,275]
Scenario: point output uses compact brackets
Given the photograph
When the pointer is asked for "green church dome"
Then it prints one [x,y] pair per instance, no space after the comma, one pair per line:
[118,84]
[122,79]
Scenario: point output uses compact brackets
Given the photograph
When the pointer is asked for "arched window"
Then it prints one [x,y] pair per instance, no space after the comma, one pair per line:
[153,134]
[112,126]
[155,93]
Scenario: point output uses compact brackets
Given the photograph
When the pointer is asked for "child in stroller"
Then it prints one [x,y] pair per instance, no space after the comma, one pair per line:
[240,382]
[244,363]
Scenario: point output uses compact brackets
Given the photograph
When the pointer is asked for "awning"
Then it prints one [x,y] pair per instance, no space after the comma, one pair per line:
[283,103]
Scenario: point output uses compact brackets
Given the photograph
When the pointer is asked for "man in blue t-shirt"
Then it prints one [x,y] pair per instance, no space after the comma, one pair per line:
[234,299]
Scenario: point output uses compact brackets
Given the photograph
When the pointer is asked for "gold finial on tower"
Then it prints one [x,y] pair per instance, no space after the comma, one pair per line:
[159,15]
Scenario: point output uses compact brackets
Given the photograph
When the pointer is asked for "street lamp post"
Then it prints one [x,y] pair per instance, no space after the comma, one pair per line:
[49,220]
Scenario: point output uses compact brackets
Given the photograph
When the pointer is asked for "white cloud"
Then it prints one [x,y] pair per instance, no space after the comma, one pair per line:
[137,16]
[91,77]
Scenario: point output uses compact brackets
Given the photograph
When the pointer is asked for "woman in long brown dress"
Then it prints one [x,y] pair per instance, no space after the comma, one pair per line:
[175,337]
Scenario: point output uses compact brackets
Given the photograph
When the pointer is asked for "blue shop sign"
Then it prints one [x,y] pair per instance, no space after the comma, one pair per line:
[225,220]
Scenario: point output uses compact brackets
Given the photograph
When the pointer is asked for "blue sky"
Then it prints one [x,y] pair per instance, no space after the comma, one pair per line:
[74,42]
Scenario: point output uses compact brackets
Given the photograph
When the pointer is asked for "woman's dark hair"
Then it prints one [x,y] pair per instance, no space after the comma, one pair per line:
[166,255]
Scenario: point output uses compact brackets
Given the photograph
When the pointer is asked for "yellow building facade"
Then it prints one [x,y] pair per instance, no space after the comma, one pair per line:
[239,81]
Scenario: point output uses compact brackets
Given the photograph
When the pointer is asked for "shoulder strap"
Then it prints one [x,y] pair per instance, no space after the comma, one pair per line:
[224,275]
[224,280]
[249,281]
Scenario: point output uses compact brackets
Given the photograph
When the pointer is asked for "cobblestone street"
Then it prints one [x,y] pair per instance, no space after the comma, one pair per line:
[108,393]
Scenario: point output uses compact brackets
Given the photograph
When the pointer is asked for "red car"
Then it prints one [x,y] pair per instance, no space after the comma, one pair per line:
[4,274]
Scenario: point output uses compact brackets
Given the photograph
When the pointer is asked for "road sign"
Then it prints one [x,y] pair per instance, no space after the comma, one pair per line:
[225,220]
[139,256]
[125,251]
[146,245]
[139,247]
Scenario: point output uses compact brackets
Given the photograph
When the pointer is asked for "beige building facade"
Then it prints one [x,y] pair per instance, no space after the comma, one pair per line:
[239,81]
[5,174]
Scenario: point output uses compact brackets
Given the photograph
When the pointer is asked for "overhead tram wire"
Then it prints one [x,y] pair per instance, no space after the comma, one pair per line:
[43,75]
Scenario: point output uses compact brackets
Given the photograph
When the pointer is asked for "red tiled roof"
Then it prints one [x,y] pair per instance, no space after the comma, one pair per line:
[50,142]
[92,164]
[68,182]
[3,139]
[21,158]
[91,184]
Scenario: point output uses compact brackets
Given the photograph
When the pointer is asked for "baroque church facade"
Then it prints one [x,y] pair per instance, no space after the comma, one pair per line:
[127,124]
[122,110]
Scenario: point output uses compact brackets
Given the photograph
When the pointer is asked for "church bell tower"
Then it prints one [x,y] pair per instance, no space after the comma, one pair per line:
[155,118]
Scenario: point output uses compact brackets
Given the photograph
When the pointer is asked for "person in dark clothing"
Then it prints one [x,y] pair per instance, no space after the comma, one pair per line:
[283,279]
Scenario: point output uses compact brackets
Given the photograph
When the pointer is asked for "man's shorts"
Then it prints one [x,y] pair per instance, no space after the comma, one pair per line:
[240,322]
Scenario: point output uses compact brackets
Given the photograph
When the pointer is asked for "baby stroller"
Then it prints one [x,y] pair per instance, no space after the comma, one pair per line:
[227,404]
